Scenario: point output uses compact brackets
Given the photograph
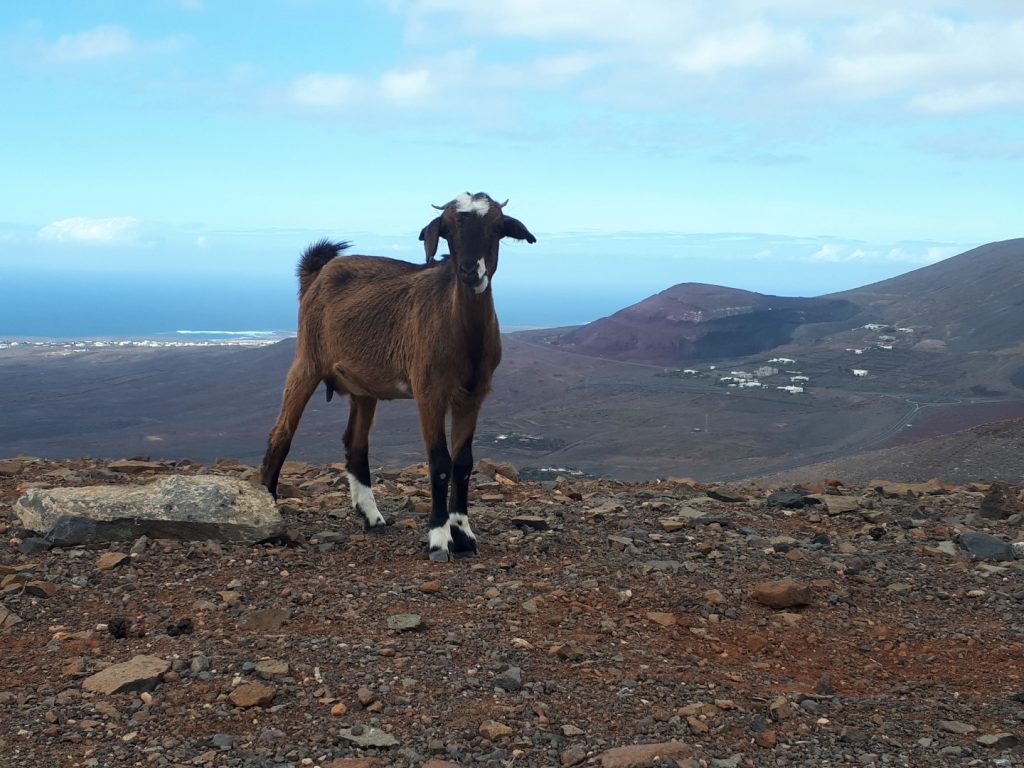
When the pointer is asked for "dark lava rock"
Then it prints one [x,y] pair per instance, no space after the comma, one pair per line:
[791,500]
[985,546]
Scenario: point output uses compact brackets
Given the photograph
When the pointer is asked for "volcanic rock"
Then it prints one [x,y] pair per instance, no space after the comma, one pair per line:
[784,593]
[985,546]
[142,673]
[638,755]
[198,507]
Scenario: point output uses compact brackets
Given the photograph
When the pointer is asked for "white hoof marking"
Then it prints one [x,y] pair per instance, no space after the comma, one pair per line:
[362,500]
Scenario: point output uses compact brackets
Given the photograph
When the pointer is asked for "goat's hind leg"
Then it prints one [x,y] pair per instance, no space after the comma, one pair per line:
[357,462]
[298,388]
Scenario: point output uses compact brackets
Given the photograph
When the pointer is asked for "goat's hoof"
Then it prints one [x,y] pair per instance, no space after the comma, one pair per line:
[375,530]
[440,555]
[459,553]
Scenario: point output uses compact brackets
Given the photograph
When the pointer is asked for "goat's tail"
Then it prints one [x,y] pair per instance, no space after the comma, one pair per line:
[314,259]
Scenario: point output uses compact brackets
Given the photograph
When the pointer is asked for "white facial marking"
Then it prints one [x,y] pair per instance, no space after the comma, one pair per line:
[441,537]
[466,203]
[362,499]
[402,386]
[461,521]
[481,272]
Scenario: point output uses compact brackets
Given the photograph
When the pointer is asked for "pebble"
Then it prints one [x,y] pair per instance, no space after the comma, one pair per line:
[404,622]
[955,726]
[493,730]
[510,680]
[110,560]
[782,593]
[252,695]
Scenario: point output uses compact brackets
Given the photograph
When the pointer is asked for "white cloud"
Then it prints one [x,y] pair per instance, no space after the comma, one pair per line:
[107,42]
[323,90]
[827,252]
[753,45]
[932,56]
[79,229]
[102,42]
[411,87]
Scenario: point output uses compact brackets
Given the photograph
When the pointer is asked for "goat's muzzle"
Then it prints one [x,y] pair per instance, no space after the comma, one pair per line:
[474,275]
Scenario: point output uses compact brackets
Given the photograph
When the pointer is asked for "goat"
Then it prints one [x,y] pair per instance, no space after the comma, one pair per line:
[382,329]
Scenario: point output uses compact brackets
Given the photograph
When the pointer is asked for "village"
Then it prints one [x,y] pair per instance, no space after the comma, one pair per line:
[782,373]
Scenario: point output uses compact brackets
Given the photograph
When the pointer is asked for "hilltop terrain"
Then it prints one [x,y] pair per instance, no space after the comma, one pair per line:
[600,617]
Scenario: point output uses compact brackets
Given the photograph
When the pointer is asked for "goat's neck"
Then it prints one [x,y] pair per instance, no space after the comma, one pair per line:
[474,312]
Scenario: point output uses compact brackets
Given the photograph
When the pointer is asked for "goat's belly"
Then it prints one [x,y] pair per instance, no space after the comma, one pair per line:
[383,388]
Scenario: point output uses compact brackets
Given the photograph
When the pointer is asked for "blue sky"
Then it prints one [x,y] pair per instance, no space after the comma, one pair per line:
[786,146]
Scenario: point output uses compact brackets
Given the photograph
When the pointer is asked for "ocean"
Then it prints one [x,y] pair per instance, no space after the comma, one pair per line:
[175,309]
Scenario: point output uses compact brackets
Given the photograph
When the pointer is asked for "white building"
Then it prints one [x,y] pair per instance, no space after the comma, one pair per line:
[792,389]
[860,372]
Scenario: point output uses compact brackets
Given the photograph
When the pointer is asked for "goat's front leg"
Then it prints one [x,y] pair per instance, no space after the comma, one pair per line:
[357,462]
[440,462]
[463,426]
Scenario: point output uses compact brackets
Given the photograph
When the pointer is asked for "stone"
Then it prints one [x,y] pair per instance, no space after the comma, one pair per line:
[265,620]
[136,466]
[1001,501]
[252,695]
[536,522]
[783,593]
[43,589]
[368,737]
[439,764]
[222,740]
[728,495]
[268,669]
[339,709]
[8,618]
[791,500]
[365,696]
[661,619]
[493,730]
[110,560]
[430,587]
[141,673]
[573,756]
[781,709]
[955,726]
[10,467]
[840,505]
[638,755]
[998,740]
[194,507]
[404,622]
[985,546]
[510,680]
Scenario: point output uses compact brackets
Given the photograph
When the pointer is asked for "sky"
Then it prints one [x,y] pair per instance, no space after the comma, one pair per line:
[181,153]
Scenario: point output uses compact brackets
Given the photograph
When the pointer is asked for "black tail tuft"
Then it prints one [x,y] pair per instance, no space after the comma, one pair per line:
[314,259]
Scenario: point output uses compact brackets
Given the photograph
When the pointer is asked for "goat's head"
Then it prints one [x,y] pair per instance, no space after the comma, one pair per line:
[473,225]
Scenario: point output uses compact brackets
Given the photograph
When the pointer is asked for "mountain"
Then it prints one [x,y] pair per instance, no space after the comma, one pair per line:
[967,303]
[970,302]
[696,321]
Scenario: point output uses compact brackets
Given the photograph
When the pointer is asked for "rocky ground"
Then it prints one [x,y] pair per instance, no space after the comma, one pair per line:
[603,624]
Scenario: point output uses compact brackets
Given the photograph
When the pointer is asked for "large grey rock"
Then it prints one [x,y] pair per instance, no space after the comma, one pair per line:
[985,546]
[193,508]
[142,673]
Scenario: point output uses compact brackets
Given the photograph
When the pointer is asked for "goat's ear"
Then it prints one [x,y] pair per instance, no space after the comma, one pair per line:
[430,234]
[514,228]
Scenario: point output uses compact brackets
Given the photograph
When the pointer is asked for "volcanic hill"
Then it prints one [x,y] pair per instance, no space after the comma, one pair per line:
[969,302]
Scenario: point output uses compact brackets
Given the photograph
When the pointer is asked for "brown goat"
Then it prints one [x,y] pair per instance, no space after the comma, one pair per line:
[383,329]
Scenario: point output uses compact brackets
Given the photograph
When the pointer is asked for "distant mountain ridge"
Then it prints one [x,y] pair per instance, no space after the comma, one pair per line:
[968,302]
